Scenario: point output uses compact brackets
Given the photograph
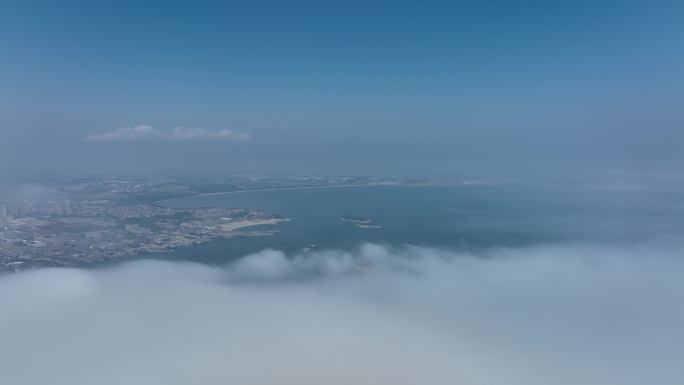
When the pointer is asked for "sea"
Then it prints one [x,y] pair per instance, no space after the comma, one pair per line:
[455,217]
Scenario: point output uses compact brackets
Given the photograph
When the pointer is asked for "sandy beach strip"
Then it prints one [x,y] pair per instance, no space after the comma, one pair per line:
[247,223]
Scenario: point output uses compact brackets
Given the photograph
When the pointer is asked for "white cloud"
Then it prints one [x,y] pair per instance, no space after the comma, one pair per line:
[201,133]
[548,315]
[178,133]
[126,133]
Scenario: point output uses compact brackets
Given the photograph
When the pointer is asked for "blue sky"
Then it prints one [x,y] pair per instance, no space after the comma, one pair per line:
[416,88]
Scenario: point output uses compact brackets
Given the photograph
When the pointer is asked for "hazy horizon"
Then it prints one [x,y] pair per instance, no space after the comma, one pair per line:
[437,89]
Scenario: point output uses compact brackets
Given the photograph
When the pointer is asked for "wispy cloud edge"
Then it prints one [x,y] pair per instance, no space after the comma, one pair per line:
[146,132]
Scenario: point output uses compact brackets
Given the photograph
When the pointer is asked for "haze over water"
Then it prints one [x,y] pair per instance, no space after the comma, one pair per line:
[464,218]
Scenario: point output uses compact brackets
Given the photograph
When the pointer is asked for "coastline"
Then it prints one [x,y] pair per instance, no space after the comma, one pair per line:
[264,189]
[307,187]
[248,223]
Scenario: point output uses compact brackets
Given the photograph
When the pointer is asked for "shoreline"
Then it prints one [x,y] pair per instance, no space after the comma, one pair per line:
[306,187]
[227,227]
[253,190]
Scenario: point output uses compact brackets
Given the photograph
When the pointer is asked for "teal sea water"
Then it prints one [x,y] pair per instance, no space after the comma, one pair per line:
[470,217]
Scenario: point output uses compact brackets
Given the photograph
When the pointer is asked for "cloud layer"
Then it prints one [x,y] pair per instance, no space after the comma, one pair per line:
[178,133]
[543,315]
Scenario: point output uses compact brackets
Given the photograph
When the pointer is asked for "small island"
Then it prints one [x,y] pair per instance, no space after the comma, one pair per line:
[360,222]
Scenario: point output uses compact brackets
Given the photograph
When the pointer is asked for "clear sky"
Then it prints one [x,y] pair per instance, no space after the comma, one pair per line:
[431,88]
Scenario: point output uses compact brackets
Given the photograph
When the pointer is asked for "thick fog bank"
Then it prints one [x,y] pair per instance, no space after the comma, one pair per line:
[557,314]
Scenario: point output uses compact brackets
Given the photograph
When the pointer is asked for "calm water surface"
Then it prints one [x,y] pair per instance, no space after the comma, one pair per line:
[455,217]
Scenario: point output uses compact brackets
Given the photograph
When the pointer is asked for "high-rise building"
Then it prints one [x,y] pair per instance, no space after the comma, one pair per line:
[60,209]
[67,207]
[3,211]
[13,210]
